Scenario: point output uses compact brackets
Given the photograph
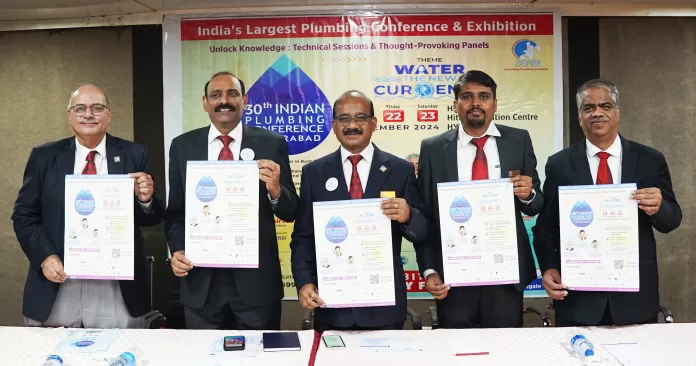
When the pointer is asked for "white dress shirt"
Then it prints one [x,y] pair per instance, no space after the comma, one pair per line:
[215,145]
[81,153]
[614,161]
[363,165]
[466,153]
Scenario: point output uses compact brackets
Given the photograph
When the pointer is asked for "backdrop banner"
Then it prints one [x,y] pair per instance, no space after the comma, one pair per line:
[295,67]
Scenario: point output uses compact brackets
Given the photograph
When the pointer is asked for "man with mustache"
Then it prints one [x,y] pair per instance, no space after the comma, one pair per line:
[606,157]
[50,298]
[478,149]
[358,169]
[216,298]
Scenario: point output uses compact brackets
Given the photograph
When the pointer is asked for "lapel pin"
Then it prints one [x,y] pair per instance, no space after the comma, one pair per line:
[117,159]
[383,168]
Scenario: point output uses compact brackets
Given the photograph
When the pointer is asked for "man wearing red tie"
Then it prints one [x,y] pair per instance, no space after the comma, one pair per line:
[50,298]
[605,157]
[478,149]
[238,298]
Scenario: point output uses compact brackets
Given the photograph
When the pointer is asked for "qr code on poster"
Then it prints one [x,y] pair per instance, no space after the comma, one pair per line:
[497,258]
[618,264]
[115,253]
[238,240]
[374,279]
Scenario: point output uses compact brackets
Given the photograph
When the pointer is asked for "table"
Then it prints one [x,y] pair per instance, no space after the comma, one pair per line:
[670,344]
[167,347]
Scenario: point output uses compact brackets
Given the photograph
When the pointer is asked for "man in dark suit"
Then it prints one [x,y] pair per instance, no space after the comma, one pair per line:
[50,299]
[367,170]
[478,149]
[605,157]
[219,297]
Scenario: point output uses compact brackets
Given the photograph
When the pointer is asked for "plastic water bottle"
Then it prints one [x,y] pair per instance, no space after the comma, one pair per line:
[129,358]
[53,360]
[584,349]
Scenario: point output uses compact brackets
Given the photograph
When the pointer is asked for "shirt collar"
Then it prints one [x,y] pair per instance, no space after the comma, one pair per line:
[367,153]
[236,134]
[463,138]
[613,150]
[83,151]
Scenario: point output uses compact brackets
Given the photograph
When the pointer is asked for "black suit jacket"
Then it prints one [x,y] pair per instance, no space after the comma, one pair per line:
[39,220]
[641,165]
[258,286]
[398,177]
[438,163]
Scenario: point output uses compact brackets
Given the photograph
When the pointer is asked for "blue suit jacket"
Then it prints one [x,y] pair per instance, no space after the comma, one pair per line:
[398,177]
[39,220]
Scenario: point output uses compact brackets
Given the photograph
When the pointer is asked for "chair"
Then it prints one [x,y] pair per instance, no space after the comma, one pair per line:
[543,314]
[153,318]
[666,313]
[546,321]
[308,319]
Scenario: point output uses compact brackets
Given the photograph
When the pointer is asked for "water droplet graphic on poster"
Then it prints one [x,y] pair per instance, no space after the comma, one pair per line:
[286,100]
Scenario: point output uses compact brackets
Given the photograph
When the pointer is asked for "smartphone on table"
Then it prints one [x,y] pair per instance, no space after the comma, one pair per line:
[333,341]
[233,343]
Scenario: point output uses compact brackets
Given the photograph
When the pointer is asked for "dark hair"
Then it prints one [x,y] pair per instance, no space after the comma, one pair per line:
[241,83]
[475,76]
[462,227]
[353,93]
[337,247]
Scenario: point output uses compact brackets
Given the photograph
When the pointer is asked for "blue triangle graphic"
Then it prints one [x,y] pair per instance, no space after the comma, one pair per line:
[283,65]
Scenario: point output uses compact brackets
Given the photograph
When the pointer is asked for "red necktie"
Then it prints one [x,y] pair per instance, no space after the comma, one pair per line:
[603,172]
[90,168]
[355,190]
[226,152]
[479,170]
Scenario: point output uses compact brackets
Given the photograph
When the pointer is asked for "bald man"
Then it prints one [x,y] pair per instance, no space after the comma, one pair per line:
[50,298]
[360,170]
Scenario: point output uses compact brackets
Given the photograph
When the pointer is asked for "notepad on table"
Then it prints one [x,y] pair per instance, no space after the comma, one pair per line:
[281,341]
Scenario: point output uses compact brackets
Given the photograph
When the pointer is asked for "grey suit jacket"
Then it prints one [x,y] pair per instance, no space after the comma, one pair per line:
[438,163]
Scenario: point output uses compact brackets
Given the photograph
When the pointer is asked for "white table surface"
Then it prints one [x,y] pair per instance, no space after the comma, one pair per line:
[167,347]
[668,344]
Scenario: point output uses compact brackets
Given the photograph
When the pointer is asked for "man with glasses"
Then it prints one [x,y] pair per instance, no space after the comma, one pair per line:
[231,298]
[50,299]
[357,170]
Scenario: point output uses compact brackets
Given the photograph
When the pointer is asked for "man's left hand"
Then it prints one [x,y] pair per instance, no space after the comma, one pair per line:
[649,200]
[522,186]
[396,209]
[144,186]
[269,173]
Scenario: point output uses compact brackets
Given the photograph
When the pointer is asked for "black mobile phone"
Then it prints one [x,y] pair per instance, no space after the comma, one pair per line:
[333,341]
[233,343]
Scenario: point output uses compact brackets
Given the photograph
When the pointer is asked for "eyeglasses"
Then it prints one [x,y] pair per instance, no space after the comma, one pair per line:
[359,119]
[81,109]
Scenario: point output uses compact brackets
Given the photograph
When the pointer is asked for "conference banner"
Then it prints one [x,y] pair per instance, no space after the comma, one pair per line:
[294,68]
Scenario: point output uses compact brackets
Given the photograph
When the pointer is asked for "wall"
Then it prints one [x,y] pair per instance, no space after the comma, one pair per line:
[38,70]
[652,62]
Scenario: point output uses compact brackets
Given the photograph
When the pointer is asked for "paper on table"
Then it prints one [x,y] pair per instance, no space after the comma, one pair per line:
[465,346]
[390,345]
[629,354]
[251,347]
[87,341]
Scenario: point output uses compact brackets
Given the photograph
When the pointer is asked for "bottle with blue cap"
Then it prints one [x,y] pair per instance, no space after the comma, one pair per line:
[132,357]
[584,349]
[53,360]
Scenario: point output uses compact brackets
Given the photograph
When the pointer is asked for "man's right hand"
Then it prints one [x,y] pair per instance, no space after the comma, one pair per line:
[435,286]
[551,280]
[309,297]
[180,265]
[52,268]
